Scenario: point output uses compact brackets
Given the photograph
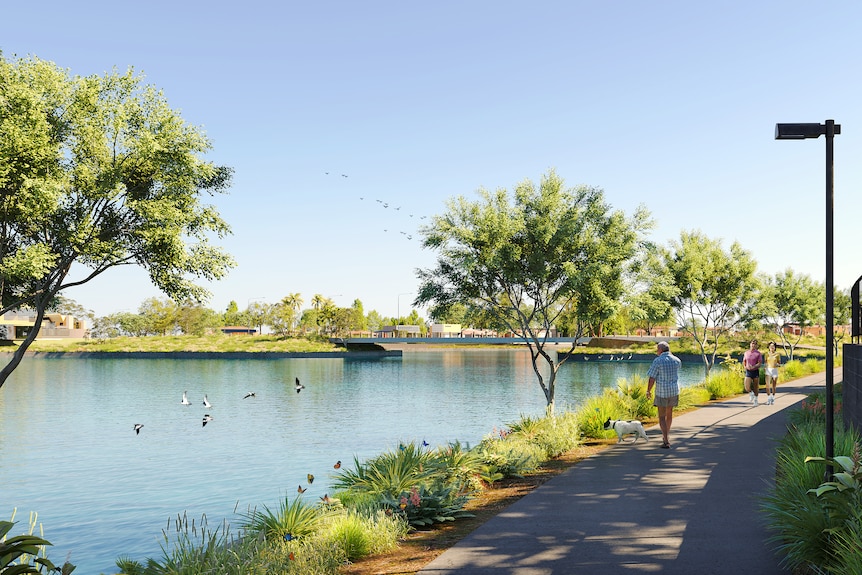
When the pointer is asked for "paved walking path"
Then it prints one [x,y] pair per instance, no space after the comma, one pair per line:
[692,509]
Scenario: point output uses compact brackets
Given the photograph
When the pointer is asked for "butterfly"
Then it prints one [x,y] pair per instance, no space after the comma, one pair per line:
[337,465]
[291,556]
[425,443]
[310,478]
[299,489]
[288,536]
[328,500]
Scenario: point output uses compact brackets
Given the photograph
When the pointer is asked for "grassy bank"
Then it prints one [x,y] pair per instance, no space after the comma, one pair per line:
[210,343]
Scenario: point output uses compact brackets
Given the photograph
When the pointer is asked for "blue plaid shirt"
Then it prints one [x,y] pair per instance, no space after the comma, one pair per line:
[665,371]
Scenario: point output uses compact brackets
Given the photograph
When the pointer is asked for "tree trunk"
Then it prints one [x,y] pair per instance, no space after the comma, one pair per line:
[19,353]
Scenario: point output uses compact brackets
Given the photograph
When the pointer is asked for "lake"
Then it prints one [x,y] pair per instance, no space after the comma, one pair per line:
[68,450]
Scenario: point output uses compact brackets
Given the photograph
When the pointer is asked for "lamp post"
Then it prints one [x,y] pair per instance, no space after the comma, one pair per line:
[802,132]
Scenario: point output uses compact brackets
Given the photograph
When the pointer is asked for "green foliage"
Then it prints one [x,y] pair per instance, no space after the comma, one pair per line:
[725,383]
[511,457]
[814,523]
[791,298]
[390,473]
[465,467]
[717,289]
[409,481]
[25,553]
[428,504]
[217,342]
[291,520]
[632,399]
[595,411]
[100,172]
[693,396]
[361,534]
[526,258]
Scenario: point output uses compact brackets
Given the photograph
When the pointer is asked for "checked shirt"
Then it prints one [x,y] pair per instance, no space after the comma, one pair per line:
[665,371]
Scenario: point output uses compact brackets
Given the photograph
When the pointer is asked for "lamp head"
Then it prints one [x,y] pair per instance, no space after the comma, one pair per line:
[799,131]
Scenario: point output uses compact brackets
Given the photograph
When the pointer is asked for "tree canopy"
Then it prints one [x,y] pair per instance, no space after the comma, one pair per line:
[716,290]
[792,300]
[525,257]
[100,172]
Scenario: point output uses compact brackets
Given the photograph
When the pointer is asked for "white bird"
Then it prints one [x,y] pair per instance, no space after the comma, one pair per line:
[299,386]
[185,400]
[207,419]
[249,394]
[137,427]
[207,404]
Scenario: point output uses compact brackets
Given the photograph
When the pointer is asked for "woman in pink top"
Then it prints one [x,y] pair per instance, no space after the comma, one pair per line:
[751,362]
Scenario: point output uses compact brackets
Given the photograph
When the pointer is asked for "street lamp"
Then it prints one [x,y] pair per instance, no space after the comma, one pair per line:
[802,132]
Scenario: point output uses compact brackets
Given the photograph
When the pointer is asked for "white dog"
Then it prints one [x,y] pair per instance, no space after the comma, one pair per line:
[625,428]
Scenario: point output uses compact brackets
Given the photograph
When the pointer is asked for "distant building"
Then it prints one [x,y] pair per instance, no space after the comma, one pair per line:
[398,331]
[15,325]
[238,330]
[445,330]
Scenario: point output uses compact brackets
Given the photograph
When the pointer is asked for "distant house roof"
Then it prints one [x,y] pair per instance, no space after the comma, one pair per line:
[234,329]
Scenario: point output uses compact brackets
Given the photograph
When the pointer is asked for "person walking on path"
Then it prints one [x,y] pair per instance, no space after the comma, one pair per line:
[751,362]
[773,360]
[664,376]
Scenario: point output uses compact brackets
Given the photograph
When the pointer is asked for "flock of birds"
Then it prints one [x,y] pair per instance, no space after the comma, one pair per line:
[386,205]
[298,386]
[206,403]
[610,358]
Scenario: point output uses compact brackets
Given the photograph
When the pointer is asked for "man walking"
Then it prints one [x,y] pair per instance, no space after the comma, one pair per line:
[664,376]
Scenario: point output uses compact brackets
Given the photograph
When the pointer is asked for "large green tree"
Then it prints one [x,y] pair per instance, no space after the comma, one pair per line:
[98,172]
[651,296]
[526,256]
[716,290]
[792,300]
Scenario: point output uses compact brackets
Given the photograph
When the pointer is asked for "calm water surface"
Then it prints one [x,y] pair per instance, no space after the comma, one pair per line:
[68,450]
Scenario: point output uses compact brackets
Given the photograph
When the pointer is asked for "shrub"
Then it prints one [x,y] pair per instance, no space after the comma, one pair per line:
[554,435]
[511,457]
[724,383]
[633,401]
[810,532]
[26,553]
[389,474]
[359,534]
[291,520]
[464,467]
[594,412]
[693,396]
[425,505]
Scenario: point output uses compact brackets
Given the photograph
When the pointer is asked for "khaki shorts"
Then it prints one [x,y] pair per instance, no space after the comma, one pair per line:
[671,401]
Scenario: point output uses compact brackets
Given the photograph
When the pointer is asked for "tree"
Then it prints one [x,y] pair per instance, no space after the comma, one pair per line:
[99,172]
[195,319]
[160,315]
[259,314]
[842,304]
[792,300]
[285,314]
[524,258]
[649,304]
[374,320]
[232,315]
[716,290]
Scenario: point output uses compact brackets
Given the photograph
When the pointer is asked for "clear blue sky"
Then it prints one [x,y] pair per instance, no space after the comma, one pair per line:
[671,104]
